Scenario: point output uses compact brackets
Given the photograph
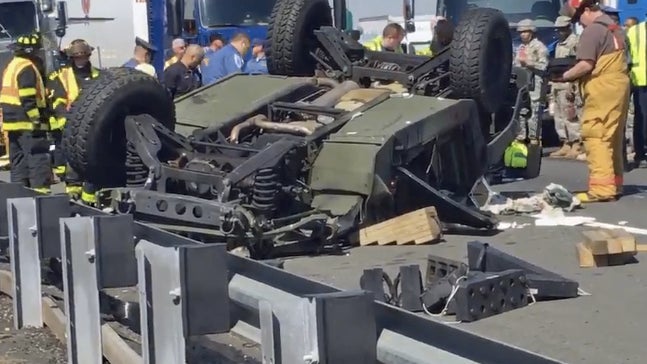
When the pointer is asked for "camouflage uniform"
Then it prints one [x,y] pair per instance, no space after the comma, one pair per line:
[536,55]
[566,99]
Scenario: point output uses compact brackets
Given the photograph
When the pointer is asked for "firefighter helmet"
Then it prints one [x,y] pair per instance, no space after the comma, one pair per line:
[28,43]
[79,48]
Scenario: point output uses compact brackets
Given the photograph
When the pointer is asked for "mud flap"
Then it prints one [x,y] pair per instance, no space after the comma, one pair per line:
[452,211]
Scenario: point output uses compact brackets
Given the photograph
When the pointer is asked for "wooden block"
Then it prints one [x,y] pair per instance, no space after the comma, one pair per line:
[641,248]
[416,227]
[589,260]
[604,241]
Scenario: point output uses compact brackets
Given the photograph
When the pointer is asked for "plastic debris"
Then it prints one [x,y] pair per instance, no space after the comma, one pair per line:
[554,197]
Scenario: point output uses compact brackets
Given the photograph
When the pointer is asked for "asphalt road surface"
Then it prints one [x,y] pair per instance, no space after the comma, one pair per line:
[606,327]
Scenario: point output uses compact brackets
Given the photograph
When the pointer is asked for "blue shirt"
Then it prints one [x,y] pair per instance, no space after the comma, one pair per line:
[132,63]
[256,65]
[222,63]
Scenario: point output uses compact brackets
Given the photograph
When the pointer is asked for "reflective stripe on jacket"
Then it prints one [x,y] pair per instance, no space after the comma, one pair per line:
[170,61]
[64,88]
[637,36]
[22,98]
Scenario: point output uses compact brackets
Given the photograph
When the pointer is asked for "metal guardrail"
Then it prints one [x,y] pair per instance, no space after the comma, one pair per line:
[188,288]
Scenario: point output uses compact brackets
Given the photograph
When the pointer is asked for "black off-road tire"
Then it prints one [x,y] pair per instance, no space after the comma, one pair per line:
[481,58]
[291,35]
[94,139]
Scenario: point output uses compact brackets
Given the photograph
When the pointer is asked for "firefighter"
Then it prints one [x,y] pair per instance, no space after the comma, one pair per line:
[23,100]
[65,86]
[601,69]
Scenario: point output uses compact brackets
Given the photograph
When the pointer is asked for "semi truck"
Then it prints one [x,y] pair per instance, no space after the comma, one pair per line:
[111,26]
[18,17]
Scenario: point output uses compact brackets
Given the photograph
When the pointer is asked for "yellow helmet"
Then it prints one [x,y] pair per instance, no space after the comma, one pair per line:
[28,43]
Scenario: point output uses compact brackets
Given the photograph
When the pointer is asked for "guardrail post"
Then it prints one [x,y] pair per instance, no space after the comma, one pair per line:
[324,328]
[98,253]
[31,238]
[7,191]
[182,292]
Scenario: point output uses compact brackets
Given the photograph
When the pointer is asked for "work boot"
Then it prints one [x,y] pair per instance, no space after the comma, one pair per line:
[562,152]
[575,151]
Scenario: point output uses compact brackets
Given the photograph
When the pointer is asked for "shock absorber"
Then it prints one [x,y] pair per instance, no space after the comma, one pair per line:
[265,191]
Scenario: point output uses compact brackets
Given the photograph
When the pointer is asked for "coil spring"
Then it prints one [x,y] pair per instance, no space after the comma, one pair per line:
[136,171]
[265,190]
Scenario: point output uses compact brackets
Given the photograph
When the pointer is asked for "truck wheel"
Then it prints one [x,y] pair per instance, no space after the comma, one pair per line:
[481,58]
[291,35]
[94,139]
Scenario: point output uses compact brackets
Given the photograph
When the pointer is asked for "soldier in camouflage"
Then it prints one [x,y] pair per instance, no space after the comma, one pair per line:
[563,96]
[532,54]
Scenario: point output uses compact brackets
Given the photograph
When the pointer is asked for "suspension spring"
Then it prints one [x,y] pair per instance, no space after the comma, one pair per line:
[265,191]
[136,171]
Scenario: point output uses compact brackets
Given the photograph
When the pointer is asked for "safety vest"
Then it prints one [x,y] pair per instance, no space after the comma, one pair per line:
[71,86]
[516,155]
[72,90]
[376,45]
[170,61]
[426,51]
[15,116]
[637,37]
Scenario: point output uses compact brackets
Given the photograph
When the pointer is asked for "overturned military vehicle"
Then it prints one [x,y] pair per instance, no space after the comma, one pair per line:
[336,138]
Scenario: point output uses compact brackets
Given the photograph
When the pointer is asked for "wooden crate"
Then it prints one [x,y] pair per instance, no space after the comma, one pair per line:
[417,227]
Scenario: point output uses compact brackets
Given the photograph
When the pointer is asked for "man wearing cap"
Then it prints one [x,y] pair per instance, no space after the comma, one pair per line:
[601,69]
[531,55]
[65,86]
[258,63]
[142,56]
[563,95]
[228,60]
[23,100]
[178,46]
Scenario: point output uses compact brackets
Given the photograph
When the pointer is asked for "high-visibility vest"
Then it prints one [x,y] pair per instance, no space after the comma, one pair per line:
[375,45]
[15,116]
[637,37]
[68,80]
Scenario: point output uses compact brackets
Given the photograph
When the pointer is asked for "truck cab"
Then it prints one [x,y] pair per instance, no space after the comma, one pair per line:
[18,17]
[542,12]
[202,18]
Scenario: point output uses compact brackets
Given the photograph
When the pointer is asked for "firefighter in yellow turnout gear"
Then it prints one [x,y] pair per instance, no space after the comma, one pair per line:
[604,83]
[23,100]
[65,86]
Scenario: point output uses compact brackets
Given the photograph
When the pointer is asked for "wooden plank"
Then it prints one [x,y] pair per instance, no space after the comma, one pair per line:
[115,349]
[416,227]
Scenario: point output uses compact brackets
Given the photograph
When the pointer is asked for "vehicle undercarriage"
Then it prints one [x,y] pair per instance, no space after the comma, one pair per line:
[335,139]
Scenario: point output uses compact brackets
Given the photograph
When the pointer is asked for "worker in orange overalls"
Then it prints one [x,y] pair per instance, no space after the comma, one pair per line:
[601,69]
